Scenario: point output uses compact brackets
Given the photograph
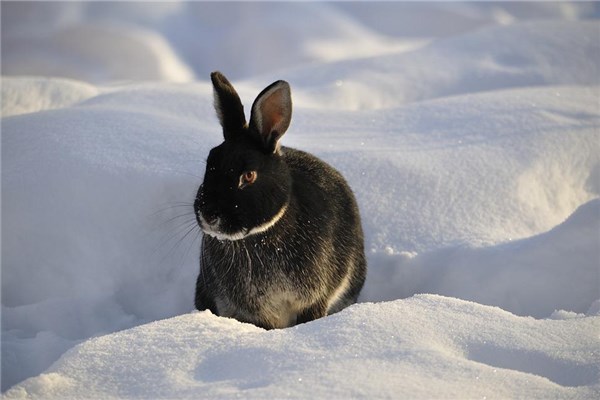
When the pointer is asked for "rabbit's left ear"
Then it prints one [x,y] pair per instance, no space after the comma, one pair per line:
[271,114]
[228,105]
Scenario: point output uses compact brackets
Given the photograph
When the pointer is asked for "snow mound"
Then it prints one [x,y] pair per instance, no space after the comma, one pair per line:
[423,347]
[173,42]
[75,40]
[406,19]
[535,276]
[523,54]
[177,41]
[476,169]
[96,53]
[27,95]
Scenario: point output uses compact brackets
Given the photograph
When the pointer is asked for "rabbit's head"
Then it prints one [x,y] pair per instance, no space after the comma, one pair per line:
[247,184]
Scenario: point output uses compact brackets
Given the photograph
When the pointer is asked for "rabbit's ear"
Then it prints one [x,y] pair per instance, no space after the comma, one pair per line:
[228,105]
[271,114]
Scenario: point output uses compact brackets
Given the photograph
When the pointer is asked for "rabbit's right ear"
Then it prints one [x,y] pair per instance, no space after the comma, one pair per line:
[271,114]
[228,105]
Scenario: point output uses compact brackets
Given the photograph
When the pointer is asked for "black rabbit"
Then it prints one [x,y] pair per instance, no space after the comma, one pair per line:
[282,242]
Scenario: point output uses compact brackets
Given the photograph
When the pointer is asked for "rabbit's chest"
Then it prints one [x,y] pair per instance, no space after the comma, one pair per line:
[277,308]
[273,297]
[263,285]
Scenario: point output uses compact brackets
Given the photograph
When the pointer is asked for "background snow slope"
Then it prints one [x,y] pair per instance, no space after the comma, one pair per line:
[472,147]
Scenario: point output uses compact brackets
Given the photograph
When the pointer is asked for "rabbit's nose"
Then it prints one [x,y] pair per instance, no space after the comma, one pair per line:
[203,213]
[210,214]
[211,219]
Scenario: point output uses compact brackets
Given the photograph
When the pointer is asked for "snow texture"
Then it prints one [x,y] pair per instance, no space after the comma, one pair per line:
[425,347]
[469,133]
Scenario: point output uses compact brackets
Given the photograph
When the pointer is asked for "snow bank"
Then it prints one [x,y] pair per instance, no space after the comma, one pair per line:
[95,52]
[534,276]
[477,169]
[537,53]
[423,347]
[177,41]
[474,157]
[104,42]
[27,95]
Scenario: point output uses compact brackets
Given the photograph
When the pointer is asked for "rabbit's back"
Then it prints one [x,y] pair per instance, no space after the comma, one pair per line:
[328,210]
[323,193]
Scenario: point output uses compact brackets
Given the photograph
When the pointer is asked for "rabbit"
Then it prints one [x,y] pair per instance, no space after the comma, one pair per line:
[282,239]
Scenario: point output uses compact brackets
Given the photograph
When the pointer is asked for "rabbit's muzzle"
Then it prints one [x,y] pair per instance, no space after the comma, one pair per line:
[206,215]
[210,219]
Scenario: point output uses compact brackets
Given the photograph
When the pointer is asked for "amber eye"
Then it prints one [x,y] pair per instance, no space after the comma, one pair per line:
[247,178]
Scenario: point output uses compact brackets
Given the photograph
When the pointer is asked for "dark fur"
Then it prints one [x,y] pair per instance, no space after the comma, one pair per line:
[289,273]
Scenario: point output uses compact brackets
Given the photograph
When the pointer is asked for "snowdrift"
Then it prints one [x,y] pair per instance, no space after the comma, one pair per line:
[423,347]
[473,153]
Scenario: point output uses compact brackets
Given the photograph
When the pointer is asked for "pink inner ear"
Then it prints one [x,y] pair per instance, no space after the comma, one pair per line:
[275,121]
[272,113]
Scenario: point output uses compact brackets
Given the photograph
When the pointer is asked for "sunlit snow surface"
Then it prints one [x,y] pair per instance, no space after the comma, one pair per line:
[472,146]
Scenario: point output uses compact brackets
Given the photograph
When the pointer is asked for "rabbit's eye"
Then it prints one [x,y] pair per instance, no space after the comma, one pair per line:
[247,178]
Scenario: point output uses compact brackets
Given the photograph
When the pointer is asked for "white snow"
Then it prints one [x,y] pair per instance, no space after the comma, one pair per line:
[423,347]
[469,133]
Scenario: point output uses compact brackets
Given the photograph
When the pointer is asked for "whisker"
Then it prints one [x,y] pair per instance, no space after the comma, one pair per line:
[177,217]
[166,239]
[171,206]
[176,240]
[232,259]
[182,239]
[203,261]
[183,227]
[249,264]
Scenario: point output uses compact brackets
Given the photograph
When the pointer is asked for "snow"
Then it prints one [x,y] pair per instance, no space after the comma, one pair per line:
[471,143]
[459,65]
[423,347]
